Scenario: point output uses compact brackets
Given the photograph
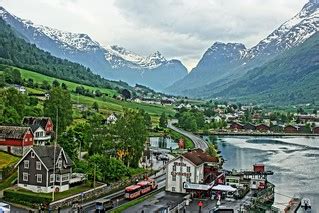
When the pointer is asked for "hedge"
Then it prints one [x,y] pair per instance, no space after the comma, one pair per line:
[26,198]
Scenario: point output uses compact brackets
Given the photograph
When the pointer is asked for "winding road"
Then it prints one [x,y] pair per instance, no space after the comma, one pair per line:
[198,142]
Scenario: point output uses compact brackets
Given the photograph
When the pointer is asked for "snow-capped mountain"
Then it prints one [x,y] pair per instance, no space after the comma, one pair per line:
[111,62]
[291,33]
[120,57]
[222,63]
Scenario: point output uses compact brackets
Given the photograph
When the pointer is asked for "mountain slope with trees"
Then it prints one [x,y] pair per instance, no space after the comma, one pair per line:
[17,52]
[290,78]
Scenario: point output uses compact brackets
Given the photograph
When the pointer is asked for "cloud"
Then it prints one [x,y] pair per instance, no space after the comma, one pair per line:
[181,29]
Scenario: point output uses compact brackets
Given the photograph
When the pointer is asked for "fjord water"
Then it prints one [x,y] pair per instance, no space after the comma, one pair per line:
[294,161]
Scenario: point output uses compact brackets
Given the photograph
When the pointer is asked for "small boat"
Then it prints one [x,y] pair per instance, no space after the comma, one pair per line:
[306,204]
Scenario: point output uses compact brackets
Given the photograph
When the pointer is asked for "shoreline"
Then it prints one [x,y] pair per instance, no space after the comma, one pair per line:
[260,134]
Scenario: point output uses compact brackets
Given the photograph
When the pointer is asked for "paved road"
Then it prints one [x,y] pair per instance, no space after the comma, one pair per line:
[198,141]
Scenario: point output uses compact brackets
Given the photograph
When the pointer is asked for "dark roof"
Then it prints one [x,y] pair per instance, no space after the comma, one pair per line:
[42,121]
[199,157]
[34,127]
[13,132]
[46,153]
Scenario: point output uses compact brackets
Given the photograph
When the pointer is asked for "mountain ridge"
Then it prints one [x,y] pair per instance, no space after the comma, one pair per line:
[109,62]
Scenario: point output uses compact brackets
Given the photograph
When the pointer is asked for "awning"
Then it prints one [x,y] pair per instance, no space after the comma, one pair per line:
[193,186]
[224,188]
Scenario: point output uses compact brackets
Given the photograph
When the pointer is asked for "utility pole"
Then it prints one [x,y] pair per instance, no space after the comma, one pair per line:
[54,151]
[94,176]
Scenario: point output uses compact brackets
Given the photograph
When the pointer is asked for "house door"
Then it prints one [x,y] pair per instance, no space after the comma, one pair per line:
[9,149]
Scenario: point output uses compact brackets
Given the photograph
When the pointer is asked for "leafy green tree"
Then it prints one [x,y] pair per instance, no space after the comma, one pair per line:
[163,120]
[55,83]
[68,141]
[64,86]
[95,106]
[130,134]
[2,80]
[16,100]
[30,83]
[45,85]
[212,151]
[147,118]
[59,104]
[12,76]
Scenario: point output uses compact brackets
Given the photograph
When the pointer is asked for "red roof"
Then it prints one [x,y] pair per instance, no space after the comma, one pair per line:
[199,157]
[131,188]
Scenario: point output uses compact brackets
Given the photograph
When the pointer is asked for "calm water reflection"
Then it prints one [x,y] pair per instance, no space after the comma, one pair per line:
[163,143]
[294,160]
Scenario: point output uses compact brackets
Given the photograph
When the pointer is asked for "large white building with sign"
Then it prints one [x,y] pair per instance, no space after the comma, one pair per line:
[190,170]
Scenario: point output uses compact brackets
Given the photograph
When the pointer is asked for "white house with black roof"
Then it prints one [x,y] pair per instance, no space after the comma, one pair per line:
[36,170]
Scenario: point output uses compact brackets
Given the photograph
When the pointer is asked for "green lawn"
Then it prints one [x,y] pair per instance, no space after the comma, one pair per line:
[39,78]
[107,104]
[110,104]
[7,159]
[8,182]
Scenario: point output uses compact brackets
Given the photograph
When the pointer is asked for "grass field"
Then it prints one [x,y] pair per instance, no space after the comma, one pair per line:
[6,159]
[107,104]
[39,78]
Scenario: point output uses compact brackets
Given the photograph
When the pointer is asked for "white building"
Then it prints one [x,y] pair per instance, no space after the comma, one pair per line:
[111,119]
[40,135]
[188,169]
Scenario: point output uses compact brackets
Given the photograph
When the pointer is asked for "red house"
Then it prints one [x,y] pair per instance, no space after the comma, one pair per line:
[316,130]
[262,128]
[236,126]
[291,129]
[16,140]
[44,122]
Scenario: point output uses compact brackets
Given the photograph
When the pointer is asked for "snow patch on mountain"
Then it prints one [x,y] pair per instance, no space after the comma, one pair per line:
[290,34]
[120,57]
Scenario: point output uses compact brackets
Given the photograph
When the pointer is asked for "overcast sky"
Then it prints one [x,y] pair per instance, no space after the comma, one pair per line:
[181,29]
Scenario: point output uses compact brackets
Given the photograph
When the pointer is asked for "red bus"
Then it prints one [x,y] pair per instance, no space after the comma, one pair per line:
[141,188]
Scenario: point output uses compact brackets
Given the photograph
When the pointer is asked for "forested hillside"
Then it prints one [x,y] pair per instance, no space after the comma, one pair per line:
[290,78]
[15,51]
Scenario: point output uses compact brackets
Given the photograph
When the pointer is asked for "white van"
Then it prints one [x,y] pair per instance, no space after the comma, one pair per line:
[4,207]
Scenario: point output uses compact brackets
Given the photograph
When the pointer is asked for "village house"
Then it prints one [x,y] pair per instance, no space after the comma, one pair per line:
[111,119]
[291,129]
[16,140]
[236,126]
[21,89]
[262,128]
[192,169]
[42,128]
[249,127]
[45,169]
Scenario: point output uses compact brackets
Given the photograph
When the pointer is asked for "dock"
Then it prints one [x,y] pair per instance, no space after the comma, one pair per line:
[293,206]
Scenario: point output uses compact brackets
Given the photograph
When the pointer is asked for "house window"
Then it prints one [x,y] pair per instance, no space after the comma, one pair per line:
[188,169]
[58,178]
[65,177]
[174,168]
[51,178]
[39,178]
[174,178]
[60,164]
[38,165]
[173,189]
[32,155]
[188,179]
[26,164]
[30,139]
[25,176]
